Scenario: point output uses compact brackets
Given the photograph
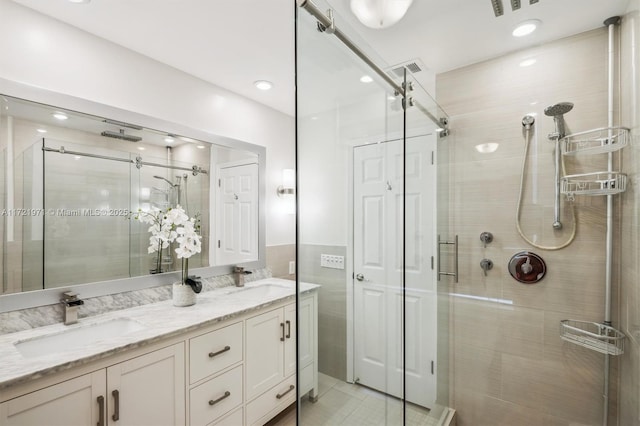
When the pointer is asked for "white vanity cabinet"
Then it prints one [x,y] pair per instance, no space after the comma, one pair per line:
[148,389]
[237,371]
[271,359]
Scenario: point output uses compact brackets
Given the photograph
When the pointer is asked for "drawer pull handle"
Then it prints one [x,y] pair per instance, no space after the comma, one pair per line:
[116,405]
[282,328]
[221,351]
[227,394]
[280,395]
[100,411]
[288,329]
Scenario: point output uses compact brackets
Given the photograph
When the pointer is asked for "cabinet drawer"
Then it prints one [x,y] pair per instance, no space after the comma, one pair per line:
[214,351]
[233,419]
[267,405]
[209,400]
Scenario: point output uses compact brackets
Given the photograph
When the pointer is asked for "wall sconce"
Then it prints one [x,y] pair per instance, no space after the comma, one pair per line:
[288,186]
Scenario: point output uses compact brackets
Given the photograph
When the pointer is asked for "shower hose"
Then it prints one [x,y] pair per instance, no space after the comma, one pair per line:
[527,138]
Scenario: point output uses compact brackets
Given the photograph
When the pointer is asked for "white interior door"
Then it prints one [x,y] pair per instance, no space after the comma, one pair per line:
[237,219]
[380,307]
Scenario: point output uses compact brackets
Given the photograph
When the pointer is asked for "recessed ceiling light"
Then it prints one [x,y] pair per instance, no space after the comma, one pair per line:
[263,84]
[79,1]
[42,131]
[527,62]
[59,116]
[168,139]
[526,28]
[366,79]
[141,148]
[200,146]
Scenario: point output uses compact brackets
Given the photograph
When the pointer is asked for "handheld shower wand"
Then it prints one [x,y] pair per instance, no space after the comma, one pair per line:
[557,111]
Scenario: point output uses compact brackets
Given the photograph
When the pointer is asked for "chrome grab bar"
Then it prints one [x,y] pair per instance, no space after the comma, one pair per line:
[453,243]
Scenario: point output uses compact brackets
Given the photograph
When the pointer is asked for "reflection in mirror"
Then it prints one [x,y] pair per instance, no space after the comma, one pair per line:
[72,184]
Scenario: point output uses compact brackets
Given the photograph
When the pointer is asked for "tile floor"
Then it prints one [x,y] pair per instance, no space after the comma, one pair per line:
[341,403]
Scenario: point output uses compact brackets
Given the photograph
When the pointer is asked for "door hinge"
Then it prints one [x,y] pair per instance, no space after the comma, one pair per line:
[432,367]
[220,182]
[218,243]
[432,261]
[432,157]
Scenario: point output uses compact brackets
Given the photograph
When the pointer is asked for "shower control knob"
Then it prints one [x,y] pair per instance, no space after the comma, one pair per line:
[486,265]
[486,238]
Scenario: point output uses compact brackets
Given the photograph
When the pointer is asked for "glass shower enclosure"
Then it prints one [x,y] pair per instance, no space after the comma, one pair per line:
[369,230]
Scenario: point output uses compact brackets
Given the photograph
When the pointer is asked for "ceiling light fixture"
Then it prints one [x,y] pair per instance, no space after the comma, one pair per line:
[41,131]
[366,79]
[263,84]
[169,139]
[79,1]
[200,146]
[526,28]
[527,62]
[59,116]
[378,14]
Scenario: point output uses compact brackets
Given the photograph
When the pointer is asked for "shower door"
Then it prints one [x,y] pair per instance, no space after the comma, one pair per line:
[395,324]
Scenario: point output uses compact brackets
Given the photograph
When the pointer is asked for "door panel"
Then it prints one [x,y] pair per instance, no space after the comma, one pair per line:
[383,215]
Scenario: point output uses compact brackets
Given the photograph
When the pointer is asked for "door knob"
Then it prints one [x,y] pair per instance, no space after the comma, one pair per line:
[360,277]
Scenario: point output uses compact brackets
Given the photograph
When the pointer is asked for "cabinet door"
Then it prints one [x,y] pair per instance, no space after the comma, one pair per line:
[265,336]
[74,402]
[148,390]
[290,339]
[306,331]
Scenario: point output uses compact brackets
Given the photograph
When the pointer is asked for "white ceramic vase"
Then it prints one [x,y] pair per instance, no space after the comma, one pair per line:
[183,295]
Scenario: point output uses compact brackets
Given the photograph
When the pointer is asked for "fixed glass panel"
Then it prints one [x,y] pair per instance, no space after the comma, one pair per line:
[350,167]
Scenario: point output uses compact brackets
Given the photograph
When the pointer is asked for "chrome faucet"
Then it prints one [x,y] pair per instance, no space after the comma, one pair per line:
[238,275]
[71,304]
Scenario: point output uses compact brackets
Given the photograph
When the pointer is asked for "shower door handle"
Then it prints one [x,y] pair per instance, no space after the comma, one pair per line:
[453,243]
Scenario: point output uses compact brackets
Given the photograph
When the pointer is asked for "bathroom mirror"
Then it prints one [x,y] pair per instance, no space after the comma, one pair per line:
[76,175]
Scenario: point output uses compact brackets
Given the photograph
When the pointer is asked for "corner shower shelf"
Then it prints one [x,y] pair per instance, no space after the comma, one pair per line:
[596,141]
[592,335]
[596,183]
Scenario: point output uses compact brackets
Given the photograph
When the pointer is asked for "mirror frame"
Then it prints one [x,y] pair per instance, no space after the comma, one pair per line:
[31,299]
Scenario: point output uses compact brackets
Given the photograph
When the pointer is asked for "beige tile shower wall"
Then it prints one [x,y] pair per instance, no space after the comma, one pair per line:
[278,258]
[508,363]
[630,223]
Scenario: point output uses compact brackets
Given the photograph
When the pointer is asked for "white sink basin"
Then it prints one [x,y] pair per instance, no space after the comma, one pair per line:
[76,336]
[263,291]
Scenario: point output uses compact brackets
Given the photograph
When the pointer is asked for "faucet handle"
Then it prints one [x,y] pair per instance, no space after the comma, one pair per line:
[71,298]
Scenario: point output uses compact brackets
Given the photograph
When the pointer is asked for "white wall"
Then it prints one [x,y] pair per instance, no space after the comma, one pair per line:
[40,51]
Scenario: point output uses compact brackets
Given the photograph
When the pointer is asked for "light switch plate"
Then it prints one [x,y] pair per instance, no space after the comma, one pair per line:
[331,261]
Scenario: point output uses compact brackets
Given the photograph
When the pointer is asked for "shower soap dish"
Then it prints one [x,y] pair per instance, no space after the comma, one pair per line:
[592,335]
[597,183]
[597,141]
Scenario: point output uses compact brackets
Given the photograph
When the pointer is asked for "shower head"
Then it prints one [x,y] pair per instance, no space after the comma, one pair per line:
[558,109]
[121,135]
[164,179]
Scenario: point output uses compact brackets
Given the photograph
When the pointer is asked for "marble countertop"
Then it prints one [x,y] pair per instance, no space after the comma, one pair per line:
[156,321]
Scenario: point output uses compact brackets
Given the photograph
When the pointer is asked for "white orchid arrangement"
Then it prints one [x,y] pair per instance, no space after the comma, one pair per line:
[174,225]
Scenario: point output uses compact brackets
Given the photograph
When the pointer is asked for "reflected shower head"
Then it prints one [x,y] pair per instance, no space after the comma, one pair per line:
[121,135]
[558,109]
[164,179]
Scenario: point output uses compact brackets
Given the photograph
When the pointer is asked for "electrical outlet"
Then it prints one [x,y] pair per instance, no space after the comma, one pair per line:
[292,267]
[331,261]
